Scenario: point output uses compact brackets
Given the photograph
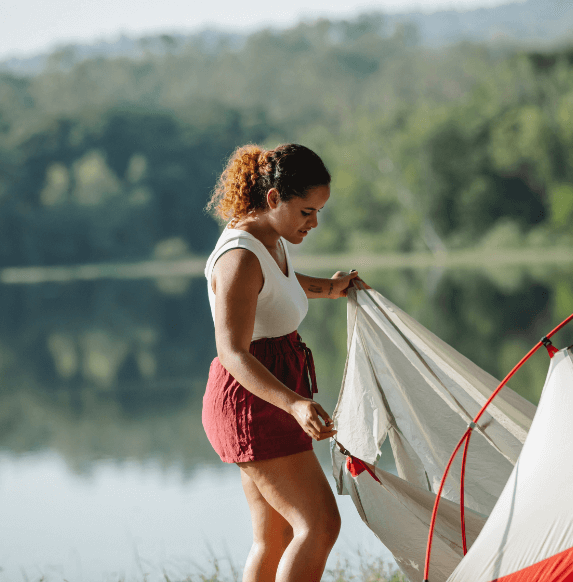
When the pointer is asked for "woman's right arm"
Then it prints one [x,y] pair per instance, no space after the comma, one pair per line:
[237,281]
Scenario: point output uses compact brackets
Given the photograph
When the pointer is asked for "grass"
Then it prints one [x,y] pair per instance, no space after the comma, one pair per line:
[370,569]
[363,568]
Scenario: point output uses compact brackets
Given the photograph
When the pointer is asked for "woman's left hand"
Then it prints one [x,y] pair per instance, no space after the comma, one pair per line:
[343,281]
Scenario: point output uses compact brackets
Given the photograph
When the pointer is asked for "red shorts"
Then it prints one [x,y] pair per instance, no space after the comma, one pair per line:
[243,427]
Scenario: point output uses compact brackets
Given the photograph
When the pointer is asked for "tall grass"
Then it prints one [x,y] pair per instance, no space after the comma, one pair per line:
[368,569]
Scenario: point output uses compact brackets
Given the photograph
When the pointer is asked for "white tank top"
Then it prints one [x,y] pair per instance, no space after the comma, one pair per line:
[282,303]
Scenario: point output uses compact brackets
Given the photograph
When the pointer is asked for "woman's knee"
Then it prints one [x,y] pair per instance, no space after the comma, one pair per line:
[330,518]
[322,526]
[274,538]
[331,525]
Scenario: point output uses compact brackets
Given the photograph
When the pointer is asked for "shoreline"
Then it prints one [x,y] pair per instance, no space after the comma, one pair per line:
[194,266]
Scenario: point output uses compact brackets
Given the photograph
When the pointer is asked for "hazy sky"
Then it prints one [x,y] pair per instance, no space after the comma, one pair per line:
[30,26]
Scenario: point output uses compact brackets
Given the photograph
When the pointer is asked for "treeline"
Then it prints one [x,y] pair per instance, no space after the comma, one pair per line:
[114,159]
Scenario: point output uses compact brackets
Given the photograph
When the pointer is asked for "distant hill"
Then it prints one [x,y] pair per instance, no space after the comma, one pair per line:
[539,22]
[134,48]
[543,22]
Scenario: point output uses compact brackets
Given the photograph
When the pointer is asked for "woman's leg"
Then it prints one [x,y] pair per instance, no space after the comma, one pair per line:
[271,535]
[296,488]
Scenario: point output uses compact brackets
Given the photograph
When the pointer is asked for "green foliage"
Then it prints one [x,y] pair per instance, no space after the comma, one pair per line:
[429,148]
[113,160]
[113,185]
[561,201]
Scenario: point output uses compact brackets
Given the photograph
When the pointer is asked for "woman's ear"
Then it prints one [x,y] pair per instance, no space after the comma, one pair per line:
[273,198]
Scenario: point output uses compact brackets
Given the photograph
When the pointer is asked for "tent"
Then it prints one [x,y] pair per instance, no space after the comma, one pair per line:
[404,383]
[529,534]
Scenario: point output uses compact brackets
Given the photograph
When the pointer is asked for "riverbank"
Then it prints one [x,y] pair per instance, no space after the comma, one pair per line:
[194,266]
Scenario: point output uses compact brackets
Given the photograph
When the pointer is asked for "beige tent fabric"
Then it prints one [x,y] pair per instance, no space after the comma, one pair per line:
[404,382]
[399,514]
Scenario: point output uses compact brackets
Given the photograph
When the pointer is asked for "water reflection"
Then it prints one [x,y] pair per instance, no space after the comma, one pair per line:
[107,377]
[105,369]
[116,369]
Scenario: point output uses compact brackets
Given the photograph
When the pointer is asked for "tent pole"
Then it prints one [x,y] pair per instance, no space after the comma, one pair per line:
[465,438]
[437,503]
[462,490]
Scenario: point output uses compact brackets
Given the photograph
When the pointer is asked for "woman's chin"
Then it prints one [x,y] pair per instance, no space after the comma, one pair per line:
[297,238]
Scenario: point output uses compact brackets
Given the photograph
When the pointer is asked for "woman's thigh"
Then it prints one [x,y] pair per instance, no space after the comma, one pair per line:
[269,526]
[296,487]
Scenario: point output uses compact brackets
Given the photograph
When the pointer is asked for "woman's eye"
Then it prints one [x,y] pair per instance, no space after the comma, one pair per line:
[305,213]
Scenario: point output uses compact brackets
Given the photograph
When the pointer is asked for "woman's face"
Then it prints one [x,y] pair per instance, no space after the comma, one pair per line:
[296,217]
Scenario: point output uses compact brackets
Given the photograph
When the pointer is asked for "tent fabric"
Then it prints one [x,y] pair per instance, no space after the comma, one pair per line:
[558,568]
[529,534]
[399,514]
[403,382]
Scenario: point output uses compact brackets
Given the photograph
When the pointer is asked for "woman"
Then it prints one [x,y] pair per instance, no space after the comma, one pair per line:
[258,409]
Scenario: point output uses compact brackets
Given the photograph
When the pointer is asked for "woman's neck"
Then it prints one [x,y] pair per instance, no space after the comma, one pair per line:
[260,229]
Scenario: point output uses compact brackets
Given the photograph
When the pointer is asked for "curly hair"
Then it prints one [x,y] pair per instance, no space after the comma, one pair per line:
[251,172]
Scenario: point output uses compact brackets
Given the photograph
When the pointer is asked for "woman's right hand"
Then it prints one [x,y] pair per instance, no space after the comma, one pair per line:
[308,413]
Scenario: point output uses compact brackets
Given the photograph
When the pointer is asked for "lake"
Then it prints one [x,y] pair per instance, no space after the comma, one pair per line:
[105,472]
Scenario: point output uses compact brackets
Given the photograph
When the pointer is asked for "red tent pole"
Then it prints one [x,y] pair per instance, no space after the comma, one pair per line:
[465,438]
[462,490]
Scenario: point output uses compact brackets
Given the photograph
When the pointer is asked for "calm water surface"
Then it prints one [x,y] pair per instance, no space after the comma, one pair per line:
[105,472]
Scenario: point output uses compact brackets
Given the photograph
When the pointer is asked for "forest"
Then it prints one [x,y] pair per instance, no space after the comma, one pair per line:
[107,162]
[114,159]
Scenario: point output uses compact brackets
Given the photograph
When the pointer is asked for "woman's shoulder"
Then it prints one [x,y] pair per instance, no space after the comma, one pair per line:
[236,235]
[238,268]
[231,239]
[239,259]
[234,238]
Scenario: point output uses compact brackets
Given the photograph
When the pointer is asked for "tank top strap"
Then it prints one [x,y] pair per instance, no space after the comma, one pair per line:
[238,239]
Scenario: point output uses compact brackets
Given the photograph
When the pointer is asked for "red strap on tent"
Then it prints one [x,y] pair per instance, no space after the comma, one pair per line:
[355,466]
[552,351]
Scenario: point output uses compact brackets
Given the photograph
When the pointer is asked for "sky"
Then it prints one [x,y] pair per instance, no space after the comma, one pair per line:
[29,27]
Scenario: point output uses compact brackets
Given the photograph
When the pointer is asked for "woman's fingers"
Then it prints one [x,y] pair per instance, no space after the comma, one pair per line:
[308,414]
[320,436]
[349,280]
[361,284]
[343,282]
[358,282]
[322,413]
[315,426]
[322,431]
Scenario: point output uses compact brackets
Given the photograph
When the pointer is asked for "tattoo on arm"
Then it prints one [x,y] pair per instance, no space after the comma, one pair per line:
[315,289]
[331,287]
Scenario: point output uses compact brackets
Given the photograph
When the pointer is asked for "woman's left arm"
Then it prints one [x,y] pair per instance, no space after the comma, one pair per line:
[337,286]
